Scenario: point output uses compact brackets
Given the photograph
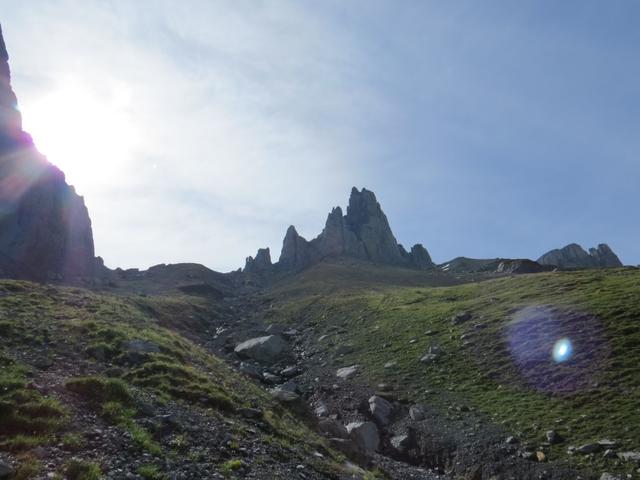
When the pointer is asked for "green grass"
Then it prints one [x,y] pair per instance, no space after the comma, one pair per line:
[231,466]
[595,395]
[82,470]
[27,417]
[150,472]
[94,332]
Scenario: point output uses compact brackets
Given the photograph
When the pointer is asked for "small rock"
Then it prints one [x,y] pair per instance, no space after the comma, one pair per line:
[529,455]
[6,471]
[346,372]
[629,456]
[251,412]
[401,443]
[263,349]
[428,358]
[604,443]
[541,457]
[461,318]
[333,428]
[608,476]
[417,412]
[284,396]
[610,454]
[380,410]
[250,370]
[345,349]
[554,437]
[389,365]
[270,378]
[511,440]
[322,410]
[588,448]
[290,372]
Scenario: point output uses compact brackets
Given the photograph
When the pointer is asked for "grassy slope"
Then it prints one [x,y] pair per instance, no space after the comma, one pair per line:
[594,395]
[88,333]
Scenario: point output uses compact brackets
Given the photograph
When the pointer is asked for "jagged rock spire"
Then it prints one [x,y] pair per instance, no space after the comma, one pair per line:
[363,233]
[10,119]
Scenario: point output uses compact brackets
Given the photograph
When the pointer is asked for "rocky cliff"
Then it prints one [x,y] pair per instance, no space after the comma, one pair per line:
[574,256]
[45,230]
[363,233]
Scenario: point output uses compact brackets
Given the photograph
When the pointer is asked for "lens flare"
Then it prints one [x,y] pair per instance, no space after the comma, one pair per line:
[562,350]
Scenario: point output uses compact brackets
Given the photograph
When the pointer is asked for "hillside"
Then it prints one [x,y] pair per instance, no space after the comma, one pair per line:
[478,356]
[95,385]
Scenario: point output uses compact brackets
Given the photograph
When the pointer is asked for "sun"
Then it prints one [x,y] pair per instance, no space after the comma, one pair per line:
[88,134]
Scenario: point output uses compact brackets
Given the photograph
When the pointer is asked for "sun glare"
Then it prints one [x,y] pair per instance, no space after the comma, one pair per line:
[87,135]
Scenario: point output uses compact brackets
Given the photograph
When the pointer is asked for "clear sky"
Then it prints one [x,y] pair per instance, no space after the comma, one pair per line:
[199,130]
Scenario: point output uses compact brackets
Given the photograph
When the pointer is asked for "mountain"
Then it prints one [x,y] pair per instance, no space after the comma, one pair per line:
[363,233]
[492,265]
[45,230]
[574,256]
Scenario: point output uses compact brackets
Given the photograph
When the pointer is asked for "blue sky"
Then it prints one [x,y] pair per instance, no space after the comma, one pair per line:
[486,129]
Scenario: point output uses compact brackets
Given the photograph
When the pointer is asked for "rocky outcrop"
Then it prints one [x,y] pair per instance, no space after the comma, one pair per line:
[263,349]
[262,262]
[363,233]
[45,230]
[574,256]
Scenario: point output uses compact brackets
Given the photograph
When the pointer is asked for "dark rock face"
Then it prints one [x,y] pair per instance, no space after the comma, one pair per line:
[574,256]
[363,233]
[45,230]
[262,262]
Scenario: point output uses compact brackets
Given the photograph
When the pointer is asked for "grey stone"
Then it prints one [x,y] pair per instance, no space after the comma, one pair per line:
[588,448]
[629,456]
[332,428]
[285,396]
[345,349]
[365,435]
[346,372]
[553,437]
[290,372]
[322,410]
[428,358]
[417,412]
[608,476]
[380,410]
[6,471]
[263,349]
[400,443]
[270,378]
[250,370]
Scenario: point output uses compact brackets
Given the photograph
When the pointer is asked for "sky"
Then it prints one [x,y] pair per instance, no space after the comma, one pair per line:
[198,131]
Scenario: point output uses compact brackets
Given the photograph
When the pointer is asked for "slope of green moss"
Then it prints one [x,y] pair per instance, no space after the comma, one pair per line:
[499,361]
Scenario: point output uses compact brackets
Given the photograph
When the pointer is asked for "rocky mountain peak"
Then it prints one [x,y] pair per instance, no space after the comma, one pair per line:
[261,263]
[10,119]
[45,230]
[574,256]
[363,233]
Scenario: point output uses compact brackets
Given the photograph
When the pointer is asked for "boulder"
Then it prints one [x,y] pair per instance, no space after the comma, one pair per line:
[588,448]
[365,435]
[346,372]
[553,437]
[417,412]
[250,370]
[6,471]
[608,476]
[263,349]
[380,410]
[400,443]
[321,410]
[285,396]
[629,456]
[332,428]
